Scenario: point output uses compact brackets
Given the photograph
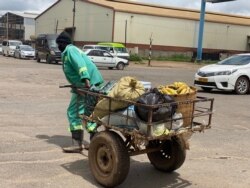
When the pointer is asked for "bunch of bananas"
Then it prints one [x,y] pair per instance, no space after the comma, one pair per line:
[177,88]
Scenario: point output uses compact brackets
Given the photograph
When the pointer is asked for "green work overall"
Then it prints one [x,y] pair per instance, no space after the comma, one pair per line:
[77,67]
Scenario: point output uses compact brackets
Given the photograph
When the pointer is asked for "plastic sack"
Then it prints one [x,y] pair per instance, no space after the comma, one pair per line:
[121,118]
[127,88]
[159,129]
[154,97]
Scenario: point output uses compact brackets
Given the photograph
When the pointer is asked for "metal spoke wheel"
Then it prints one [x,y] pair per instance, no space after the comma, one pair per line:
[242,85]
[171,155]
[108,158]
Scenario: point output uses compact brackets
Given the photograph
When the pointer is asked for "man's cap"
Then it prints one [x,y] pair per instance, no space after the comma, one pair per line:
[64,37]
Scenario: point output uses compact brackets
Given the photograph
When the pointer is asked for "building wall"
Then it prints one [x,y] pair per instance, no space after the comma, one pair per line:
[164,31]
[179,32]
[92,22]
[225,36]
[29,25]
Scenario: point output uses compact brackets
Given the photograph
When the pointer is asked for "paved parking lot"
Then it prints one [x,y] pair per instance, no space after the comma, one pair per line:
[33,128]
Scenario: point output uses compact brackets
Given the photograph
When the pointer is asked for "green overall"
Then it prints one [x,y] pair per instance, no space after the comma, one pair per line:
[77,67]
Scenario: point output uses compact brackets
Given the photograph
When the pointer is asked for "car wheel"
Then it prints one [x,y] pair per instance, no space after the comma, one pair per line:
[242,85]
[207,89]
[48,59]
[38,58]
[120,66]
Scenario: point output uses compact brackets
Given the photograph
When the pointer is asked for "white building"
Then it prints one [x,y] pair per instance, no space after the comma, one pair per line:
[16,25]
[171,29]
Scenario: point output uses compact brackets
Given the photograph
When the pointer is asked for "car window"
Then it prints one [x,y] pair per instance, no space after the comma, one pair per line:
[121,50]
[106,54]
[92,53]
[26,48]
[52,43]
[14,43]
[88,47]
[236,60]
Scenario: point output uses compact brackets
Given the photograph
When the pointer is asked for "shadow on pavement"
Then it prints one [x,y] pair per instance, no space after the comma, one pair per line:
[141,174]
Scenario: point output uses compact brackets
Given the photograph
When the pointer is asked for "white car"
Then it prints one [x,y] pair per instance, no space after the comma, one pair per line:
[24,52]
[103,58]
[230,74]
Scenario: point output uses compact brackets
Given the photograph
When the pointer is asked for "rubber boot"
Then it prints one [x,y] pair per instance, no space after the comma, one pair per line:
[77,138]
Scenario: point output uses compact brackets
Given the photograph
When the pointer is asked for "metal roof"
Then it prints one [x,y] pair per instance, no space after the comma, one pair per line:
[164,11]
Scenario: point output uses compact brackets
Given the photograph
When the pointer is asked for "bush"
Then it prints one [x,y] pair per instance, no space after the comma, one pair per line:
[135,57]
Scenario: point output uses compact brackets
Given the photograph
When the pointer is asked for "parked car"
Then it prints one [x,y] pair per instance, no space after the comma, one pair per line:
[103,58]
[230,74]
[9,47]
[116,49]
[90,46]
[1,49]
[24,51]
[46,48]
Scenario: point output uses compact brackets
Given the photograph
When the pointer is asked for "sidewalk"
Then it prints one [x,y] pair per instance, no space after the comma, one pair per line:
[167,64]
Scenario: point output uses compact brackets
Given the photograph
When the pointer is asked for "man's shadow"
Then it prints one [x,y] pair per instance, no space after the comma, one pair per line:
[141,174]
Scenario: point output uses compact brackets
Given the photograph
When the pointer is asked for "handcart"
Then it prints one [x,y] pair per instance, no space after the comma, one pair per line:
[112,145]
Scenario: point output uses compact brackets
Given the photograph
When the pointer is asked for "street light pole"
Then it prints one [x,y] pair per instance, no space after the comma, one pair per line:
[73,26]
[201,26]
[201,29]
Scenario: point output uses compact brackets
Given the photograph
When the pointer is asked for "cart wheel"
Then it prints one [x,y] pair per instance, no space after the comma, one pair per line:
[170,157]
[108,158]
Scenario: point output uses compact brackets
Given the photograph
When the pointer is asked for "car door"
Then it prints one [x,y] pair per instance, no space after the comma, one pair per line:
[94,55]
[108,60]
[17,51]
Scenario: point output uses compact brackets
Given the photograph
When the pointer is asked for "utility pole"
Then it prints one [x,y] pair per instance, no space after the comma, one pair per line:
[7,27]
[73,26]
[126,23]
[150,49]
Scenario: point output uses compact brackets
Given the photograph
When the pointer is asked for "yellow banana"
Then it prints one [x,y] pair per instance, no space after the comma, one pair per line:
[181,88]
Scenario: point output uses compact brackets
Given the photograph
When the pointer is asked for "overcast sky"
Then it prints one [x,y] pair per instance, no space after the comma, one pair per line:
[239,7]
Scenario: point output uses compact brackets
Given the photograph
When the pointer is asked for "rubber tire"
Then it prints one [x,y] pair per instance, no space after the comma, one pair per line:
[120,66]
[170,158]
[207,89]
[242,80]
[38,59]
[112,168]
[48,60]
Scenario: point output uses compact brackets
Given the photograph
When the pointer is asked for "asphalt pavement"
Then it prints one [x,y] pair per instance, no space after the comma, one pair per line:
[33,128]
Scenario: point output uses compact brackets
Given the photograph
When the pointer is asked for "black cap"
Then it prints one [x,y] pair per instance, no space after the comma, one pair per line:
[64,37]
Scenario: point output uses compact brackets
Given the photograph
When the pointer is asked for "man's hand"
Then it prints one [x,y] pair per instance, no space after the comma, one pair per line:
[87,83]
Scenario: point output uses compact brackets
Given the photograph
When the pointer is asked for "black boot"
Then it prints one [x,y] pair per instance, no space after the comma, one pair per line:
[77,136]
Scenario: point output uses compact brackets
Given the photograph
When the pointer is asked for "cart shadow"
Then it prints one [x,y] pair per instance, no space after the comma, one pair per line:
[59,140]
[141,174]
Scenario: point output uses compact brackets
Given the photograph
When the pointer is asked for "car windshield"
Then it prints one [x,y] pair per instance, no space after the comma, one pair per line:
[52,43]
[15,43]
[26,48]
[236,60]
[121,50]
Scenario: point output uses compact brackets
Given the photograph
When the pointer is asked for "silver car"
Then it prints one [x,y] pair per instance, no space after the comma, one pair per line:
[103,58]
[24,52]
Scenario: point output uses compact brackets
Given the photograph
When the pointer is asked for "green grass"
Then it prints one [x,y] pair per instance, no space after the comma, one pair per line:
[137,59]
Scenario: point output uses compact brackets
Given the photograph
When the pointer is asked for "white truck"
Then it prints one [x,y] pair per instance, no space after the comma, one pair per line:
[9,47]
